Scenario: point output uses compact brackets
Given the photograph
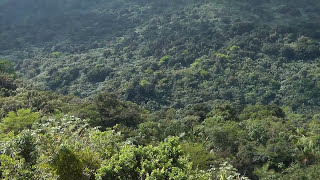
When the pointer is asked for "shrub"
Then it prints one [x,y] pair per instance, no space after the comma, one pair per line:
[165,161]
[98,73]
[287,51]
[6,67]
[16,122]
[163,60]
[68,165]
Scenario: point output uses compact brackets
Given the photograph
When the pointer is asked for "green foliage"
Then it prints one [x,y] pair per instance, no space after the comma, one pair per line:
[107,111]
[287,51]
[227,171]
[234,48]
[6,67]
[16,122]
[261,142]
[67,165]
[25,145]
[199,156]
[213,73]
[204,73]
[149,132]
[222,56]
[18,156]
[57,148]
[55,54]
[165,161]
[298,172]
[13,168]
[98,73]
[62,77]
[196,62]
[7,85]
[243,60]
[144,83]
[260,112]
[227,111]
[222,135]
[164,60]
[7,77]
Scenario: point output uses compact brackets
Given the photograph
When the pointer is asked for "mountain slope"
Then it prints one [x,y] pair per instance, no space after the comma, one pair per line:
[171,53]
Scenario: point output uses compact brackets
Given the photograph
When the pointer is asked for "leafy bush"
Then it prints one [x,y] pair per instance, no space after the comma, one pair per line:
[164,60]
[98,73]
[7,85]
[6,67]
[107,111]
[223,136]
[67,165]
[18,121]
[165,161]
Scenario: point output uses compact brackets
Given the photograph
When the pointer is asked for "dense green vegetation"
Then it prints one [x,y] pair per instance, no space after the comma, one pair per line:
[43,138]
[150,89]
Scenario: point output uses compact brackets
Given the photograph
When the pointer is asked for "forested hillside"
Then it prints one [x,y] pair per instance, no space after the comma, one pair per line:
[166,89]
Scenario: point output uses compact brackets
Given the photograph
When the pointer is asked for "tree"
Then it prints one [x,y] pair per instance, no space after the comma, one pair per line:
[165,161]
[68,165]
[18,156]
[16,122]
[222,135]
[7,85]
[107,111]
[6,67]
